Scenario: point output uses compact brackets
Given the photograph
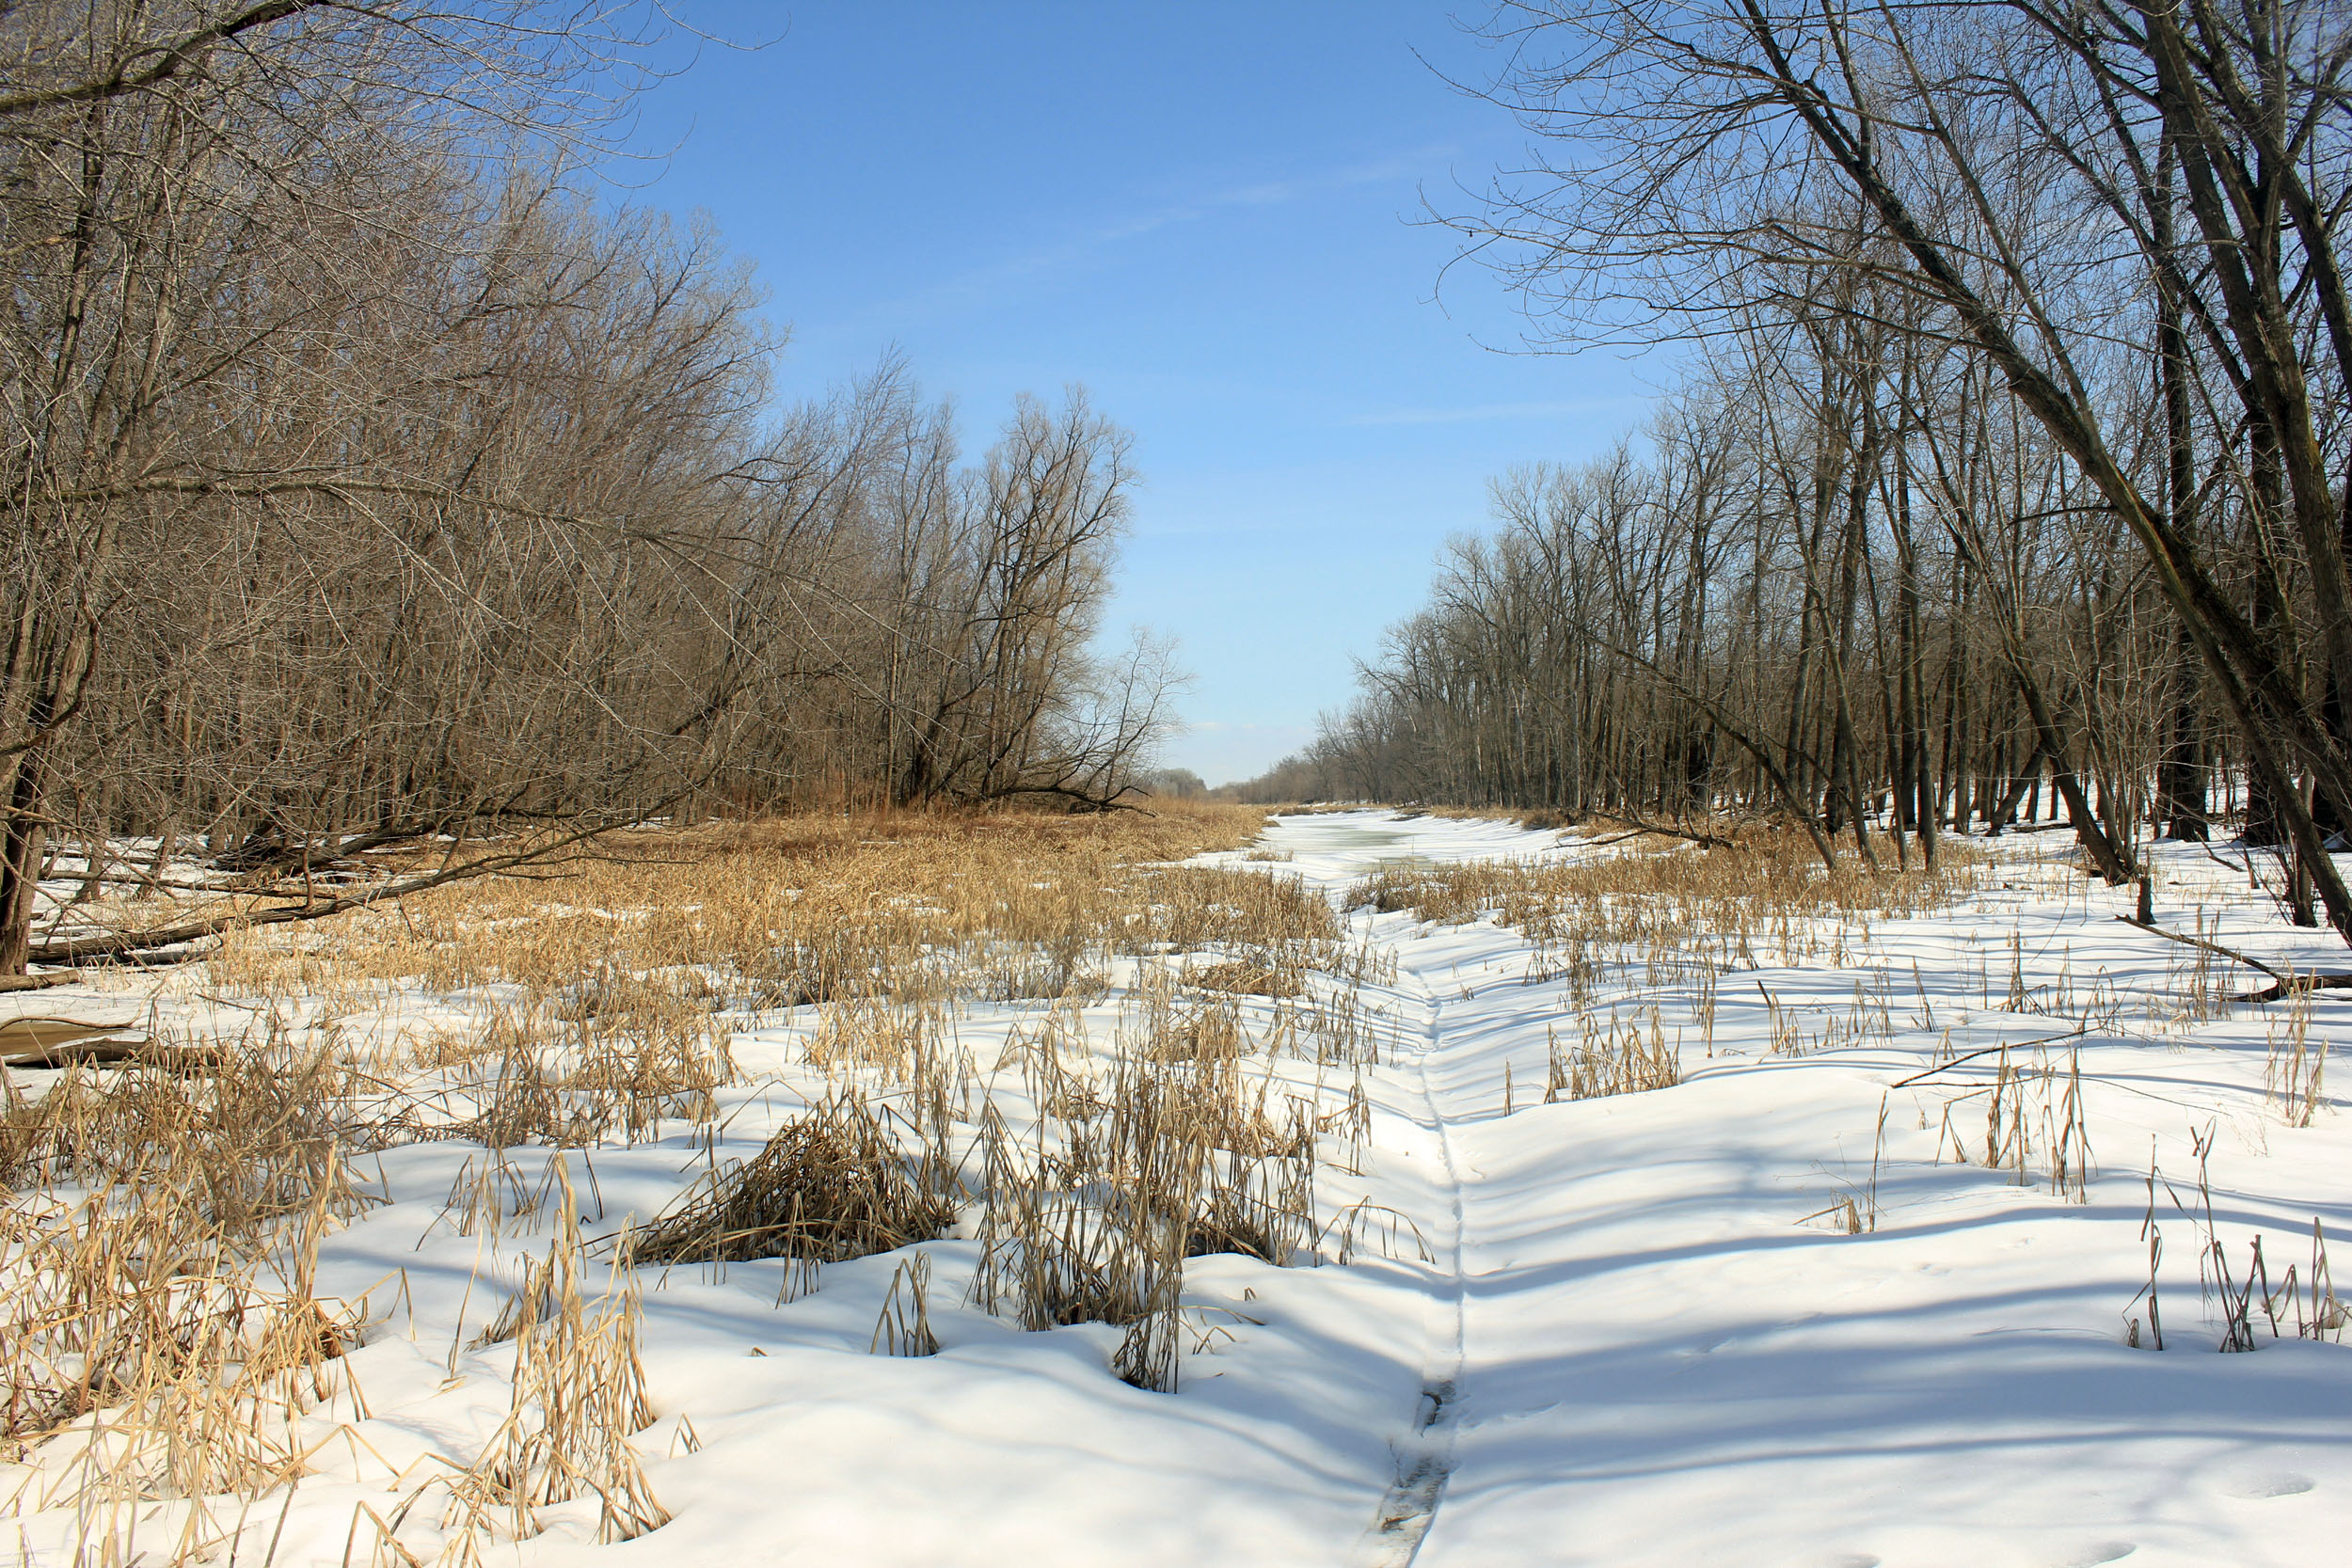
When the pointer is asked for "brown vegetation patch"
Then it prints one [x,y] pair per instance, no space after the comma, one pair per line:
[830,1187]
[1242,978]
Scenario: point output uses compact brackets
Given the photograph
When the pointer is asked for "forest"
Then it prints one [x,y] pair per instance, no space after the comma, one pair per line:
[2002,472]
[375,474]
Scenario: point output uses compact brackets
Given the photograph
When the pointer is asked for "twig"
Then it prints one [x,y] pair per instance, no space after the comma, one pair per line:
[2005,1045]
[2245,870]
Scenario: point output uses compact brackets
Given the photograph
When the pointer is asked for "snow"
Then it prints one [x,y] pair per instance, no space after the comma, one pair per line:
[1628,1343]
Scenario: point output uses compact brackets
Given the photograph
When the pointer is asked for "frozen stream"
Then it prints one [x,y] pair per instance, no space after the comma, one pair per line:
[1635,1354]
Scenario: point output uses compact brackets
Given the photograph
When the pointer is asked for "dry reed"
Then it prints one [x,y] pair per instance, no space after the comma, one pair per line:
[832,1185]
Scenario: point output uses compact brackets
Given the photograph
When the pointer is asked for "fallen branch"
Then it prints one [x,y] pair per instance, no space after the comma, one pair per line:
[2075,1033]
[1640,825]
[2287,984]
[1080,802]
[2296,984]
[287,860]
[2245,869]
[2230,953]
[119,946]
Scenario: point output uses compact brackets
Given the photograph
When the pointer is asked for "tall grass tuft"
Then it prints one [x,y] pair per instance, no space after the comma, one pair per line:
[831,1187]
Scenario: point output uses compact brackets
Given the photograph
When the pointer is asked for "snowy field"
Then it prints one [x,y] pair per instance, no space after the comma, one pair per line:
[1859,1288]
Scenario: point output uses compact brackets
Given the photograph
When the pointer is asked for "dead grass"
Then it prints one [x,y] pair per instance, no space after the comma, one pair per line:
[831,1187]
[160,1327]
[2296,1065]
[578,1395]
[1658,911]
[1178,1156]
[784,913]
[2034,1114]
[1612,1058]
[160,1330]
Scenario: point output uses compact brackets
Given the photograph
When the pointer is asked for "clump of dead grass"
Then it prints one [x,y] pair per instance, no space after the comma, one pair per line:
[832,1185]
[1610,1058]
[160,1335]
[2294,1066]
[1179,1153]
[578,1395]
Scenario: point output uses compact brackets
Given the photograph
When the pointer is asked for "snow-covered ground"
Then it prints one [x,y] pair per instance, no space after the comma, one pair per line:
[1632,1329]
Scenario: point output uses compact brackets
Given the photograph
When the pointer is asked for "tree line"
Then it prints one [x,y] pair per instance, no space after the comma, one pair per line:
[2006,465]
[371,475]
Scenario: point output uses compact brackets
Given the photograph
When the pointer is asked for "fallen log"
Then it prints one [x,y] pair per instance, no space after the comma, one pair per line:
[130,946]
[164,1058]
[38,982]
[49,1044]
[40,1034]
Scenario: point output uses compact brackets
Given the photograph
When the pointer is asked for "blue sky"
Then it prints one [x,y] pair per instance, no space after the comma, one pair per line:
[1203,213]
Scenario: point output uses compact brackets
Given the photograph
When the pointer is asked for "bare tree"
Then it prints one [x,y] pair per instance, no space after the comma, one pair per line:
[370,476]
[2090,202]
